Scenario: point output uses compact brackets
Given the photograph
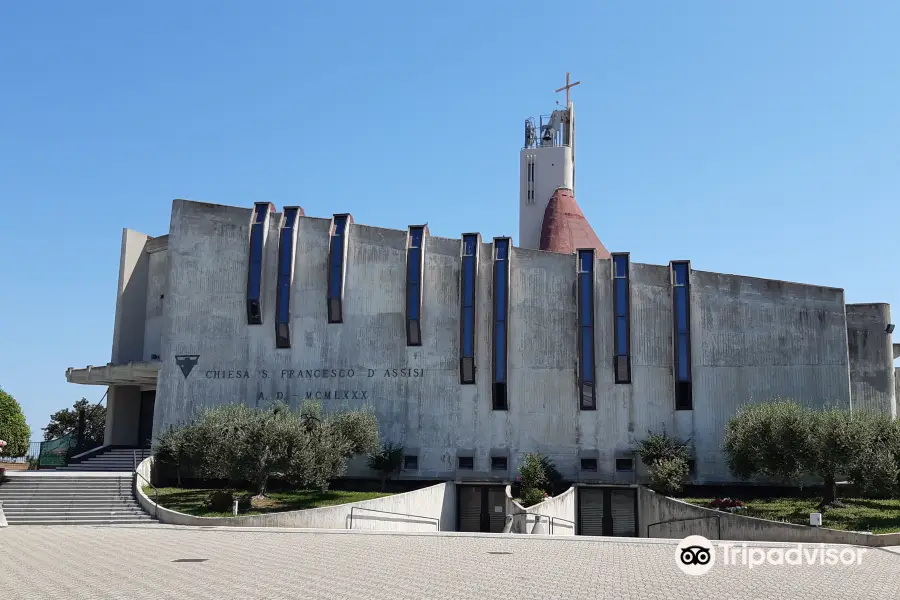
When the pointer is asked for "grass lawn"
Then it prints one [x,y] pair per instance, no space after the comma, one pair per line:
[859,514]
[192,501]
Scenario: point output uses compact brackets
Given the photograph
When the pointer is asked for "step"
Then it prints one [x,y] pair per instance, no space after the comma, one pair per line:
[65,497]
[89,521]
[8,506]
[72,513]
[67,481]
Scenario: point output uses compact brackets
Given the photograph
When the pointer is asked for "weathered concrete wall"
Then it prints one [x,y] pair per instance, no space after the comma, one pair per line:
[131,299]
[157,271]
[428,509]
[870,347]
[753,340]
[664,517]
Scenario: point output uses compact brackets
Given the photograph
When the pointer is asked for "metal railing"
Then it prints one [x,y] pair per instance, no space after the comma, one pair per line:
[551,519]
[155,495]
[437,522]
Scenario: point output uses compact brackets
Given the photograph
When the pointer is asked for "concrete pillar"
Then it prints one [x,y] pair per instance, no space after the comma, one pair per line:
[123,412]
[539,527]
[131,299]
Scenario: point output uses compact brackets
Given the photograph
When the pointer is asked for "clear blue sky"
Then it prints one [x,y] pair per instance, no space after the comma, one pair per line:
[759,138]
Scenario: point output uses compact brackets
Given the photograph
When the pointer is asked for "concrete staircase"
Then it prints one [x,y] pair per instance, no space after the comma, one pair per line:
[113,459]
[59,498]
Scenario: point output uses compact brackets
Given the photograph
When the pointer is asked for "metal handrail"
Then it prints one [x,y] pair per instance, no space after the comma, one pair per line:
[548,517]
[437,522]
[560,519]
[155,495]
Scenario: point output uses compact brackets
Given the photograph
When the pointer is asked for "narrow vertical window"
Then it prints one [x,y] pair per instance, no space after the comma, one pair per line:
[681,301]
[470,245]
[622,308]
[415,261]
[586,329]
[286,244]
[501,329]
[336,268]
[258,231]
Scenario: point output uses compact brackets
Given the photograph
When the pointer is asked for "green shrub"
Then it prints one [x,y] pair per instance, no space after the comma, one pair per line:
[667,475]
[386,461]
[532,496]
[14,430]
[771,438]
[661,446]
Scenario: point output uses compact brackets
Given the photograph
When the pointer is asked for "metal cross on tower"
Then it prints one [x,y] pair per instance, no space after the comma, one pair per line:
[567,87]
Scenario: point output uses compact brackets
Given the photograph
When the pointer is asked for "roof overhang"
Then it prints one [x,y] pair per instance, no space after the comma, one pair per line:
[133,373]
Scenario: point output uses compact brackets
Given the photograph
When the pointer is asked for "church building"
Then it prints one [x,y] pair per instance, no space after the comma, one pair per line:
[474,351]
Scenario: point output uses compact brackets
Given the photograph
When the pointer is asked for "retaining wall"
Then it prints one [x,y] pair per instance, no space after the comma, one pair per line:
[663,517]
[435,507]
[559,512]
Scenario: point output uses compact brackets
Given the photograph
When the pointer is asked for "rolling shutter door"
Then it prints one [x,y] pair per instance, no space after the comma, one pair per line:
[470,509]
[623,517]
[497,499]
[590,511]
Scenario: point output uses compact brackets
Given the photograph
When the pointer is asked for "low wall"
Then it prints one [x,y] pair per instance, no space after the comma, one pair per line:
[559,510]
[2,516]
[663,517]
[434,505]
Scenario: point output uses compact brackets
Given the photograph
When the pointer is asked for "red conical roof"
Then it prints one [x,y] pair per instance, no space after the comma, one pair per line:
[565,229]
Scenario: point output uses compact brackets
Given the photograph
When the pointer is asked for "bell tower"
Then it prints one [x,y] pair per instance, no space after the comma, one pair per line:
[546,163]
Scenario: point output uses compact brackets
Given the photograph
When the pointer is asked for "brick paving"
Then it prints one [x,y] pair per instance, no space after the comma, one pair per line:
[136,562]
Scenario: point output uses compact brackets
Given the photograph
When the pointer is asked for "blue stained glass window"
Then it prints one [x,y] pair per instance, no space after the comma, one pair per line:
[470,243]
[334,284]
[586,262]
[587,354]
[500,291]
[256,251]
[681,273]
[261,210]
[621,266]
[340,223]
[413,301]
[681,309]
[415,264]
[621,336]
[469,281]
[284,291]
[415,237]
[584,301]
[502,249]
[621,297]
[682,358]
[500,350]
[468,332]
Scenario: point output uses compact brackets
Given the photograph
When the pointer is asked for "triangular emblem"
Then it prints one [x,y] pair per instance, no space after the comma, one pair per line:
[187,362]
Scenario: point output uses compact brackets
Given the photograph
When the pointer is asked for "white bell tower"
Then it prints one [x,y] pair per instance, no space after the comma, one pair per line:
[546,163]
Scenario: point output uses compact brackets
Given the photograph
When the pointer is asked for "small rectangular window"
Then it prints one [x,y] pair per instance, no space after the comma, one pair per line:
[498,463]
[589,465]
[466,463]
[624,464]
[410,462]
[499,399]
[692,466]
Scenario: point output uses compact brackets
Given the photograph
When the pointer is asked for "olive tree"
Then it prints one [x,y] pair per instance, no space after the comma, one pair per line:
[14,430]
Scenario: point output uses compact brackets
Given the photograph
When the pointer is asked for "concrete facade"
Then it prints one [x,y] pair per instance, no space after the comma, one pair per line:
[752,340]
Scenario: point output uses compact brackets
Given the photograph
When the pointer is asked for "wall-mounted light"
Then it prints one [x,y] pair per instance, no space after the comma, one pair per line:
[890,328]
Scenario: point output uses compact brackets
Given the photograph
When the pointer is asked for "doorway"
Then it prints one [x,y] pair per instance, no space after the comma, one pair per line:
[608,511]
[481,508]
[145,421]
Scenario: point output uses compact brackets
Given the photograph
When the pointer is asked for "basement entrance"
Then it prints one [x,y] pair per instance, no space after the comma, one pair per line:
[610,511]
[145,418]
[481,508]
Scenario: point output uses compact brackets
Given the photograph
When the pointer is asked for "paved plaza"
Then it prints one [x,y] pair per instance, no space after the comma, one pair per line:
[139,562]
